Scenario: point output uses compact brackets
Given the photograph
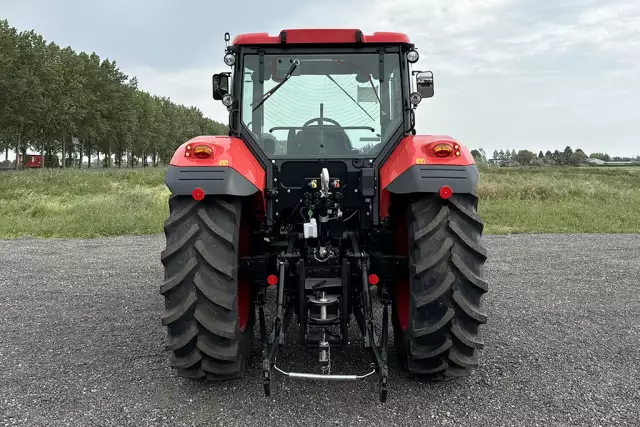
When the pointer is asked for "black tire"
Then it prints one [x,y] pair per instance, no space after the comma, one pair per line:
[209,315]
[438,313]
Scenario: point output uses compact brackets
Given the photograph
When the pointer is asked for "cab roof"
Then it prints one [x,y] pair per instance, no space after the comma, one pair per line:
[321,36]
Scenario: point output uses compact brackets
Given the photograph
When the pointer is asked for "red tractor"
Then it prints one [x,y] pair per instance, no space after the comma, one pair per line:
[323,193]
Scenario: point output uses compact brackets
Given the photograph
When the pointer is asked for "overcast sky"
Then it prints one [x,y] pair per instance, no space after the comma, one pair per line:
[509,74]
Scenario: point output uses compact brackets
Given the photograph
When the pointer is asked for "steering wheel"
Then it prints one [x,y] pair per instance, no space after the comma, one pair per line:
[324,119]
[322,128]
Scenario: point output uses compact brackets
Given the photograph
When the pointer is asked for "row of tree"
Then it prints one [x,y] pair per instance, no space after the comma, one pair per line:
[526,157]
[51,96]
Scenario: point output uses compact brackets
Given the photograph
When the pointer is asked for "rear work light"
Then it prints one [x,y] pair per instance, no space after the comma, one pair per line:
[442,150]
[202,151]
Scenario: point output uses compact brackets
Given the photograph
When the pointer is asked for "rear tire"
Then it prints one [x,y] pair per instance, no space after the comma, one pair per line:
[438,308]
[209,315]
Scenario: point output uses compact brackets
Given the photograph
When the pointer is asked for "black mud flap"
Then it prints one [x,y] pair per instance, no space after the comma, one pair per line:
[211,179]
[430,178]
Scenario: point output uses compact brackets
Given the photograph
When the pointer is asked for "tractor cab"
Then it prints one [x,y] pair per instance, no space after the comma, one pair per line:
[328,93]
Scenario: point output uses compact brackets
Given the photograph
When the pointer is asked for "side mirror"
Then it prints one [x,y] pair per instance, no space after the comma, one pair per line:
[220,86]
[424,83]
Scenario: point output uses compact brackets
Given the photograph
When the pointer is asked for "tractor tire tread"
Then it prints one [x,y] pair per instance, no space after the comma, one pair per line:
[200,289]
[446,314]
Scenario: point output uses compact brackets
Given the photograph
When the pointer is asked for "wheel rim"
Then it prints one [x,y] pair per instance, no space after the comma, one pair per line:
[403,297]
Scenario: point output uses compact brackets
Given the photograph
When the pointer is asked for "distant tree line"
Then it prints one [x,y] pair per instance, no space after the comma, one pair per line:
[51,96]
[565,157]
[526,157]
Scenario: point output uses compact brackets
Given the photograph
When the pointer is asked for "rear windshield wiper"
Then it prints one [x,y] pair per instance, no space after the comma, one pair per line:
[266,96]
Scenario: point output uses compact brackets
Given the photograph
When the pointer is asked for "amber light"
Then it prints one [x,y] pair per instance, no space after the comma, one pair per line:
[202,151]
[442,150]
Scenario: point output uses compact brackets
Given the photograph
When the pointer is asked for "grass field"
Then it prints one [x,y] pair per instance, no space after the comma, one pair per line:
[92,203]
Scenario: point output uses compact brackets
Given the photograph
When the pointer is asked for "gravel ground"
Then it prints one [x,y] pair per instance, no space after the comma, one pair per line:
[81,344]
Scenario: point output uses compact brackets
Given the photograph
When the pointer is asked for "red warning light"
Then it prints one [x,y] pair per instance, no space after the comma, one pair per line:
[272,280]
[198,194]
[374,279]
[446,192]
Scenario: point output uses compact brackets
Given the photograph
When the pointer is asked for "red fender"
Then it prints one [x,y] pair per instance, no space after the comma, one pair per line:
[413,167]
[229,153]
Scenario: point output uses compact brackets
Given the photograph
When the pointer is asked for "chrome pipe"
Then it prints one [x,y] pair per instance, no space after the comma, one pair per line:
[306,376]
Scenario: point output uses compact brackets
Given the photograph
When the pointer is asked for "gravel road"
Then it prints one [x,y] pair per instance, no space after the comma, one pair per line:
[81,344]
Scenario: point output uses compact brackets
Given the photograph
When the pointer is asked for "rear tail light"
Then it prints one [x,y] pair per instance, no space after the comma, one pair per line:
[442,150]
[198,194]
[446,192]
[272,280]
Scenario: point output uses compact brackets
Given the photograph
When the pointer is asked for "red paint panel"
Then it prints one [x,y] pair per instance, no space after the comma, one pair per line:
[387,37]
[414,150]
[227,152]
[402,286]
[244,285]
[255,38]
[320,36]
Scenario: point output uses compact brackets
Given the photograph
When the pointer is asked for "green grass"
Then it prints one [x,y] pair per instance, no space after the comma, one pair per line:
[87,203]
[92,203]
[560,200]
